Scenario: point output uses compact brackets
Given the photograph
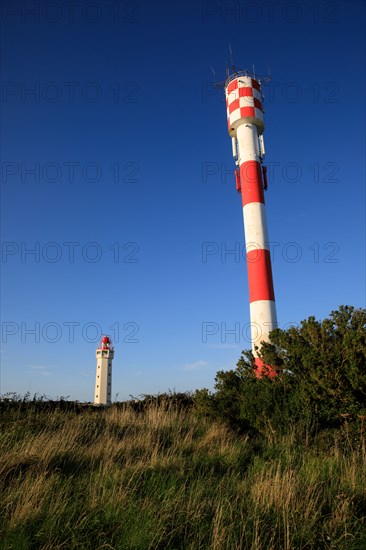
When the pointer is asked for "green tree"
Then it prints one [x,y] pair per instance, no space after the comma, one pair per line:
[321,377]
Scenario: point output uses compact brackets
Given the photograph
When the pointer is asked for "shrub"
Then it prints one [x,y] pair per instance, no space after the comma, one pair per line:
[320,382]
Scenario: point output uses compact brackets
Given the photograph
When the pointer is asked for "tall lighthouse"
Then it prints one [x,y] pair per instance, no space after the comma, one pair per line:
[103,378]
[244,105]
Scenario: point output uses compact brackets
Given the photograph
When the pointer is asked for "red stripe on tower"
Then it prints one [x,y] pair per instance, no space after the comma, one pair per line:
[234,105]
[251,182]
[258,104]
[232,86]
[245,92]
[247,112]
[260,275]
[256,84]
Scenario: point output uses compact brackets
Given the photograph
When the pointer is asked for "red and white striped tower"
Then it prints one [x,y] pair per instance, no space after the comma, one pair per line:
[246,125]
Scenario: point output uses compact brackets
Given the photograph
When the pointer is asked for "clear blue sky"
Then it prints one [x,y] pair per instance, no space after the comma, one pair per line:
[127,87]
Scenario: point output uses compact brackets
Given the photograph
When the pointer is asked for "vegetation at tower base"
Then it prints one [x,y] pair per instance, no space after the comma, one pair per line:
[321,380]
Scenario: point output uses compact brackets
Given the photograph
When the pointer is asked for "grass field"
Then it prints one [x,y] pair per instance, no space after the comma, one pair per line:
[166,478]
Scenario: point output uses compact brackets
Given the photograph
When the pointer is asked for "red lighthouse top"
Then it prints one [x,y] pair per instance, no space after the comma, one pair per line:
[106,343]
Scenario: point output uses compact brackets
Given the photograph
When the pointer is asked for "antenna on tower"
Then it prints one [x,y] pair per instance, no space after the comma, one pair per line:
[232,66]
[231,56]
[265,79]
[214,85]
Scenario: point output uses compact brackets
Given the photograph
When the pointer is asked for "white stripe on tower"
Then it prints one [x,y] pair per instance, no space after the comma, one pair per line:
[245,121]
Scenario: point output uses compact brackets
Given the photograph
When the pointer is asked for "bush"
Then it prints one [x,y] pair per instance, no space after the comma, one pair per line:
[320,382]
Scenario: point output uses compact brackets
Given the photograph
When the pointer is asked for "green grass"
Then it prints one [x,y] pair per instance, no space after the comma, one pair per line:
[167,478]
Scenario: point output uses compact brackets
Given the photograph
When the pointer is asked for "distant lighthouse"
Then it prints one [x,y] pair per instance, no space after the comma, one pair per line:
[103,378]
[246,125]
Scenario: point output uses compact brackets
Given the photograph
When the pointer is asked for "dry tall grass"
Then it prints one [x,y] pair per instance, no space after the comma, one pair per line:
[166,479]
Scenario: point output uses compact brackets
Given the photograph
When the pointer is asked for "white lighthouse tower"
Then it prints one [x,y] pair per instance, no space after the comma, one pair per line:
[103,378]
